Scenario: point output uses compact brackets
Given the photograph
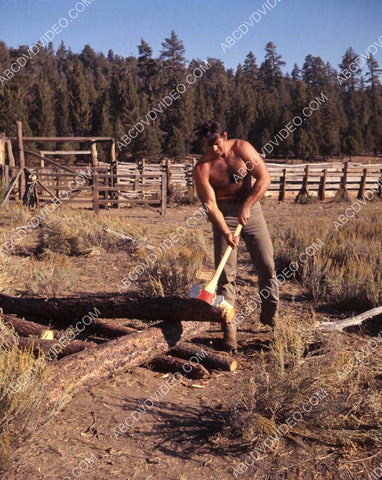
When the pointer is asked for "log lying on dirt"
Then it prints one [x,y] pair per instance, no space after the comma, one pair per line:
[24,328]
[65,310]
[349,322]
[164,363]
[96,364]
[106,328]
[52,347]
[98,326]
[207,357]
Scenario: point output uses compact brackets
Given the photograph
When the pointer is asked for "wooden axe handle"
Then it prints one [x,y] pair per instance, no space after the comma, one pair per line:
[212,284]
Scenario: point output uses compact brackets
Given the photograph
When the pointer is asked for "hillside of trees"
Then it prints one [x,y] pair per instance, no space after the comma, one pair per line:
[63,93]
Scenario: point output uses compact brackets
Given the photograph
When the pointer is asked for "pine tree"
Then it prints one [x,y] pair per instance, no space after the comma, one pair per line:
[270,69]
[80,112]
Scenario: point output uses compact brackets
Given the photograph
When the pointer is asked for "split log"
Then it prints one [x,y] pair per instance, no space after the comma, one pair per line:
[349,322]
[63,311]
[24,328]
[97,364]
[207,357]
[164,363]
[98,326]
[49,347]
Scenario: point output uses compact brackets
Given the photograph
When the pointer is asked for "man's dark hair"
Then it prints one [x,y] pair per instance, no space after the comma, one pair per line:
[209,130]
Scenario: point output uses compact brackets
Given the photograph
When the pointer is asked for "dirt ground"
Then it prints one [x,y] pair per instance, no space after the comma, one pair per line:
[182,436]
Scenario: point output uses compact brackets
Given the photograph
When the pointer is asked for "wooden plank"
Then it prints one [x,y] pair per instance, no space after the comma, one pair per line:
[94,154]
[65,139]
[51,161]
[66,152]
[11,186]
[20,143]
[2,149]
[11,157]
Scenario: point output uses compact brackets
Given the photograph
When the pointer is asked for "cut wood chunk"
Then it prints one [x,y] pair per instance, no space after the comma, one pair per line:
[349,322]
[164,363]
[96,364]
[207,357]
[23,327]
[66,310]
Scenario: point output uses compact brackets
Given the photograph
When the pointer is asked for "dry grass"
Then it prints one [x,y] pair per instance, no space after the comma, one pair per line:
[346,271]
[178,269]
[23,411]
[51,278]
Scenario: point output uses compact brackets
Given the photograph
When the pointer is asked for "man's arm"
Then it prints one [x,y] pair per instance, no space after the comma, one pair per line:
[207,196]
[257,168]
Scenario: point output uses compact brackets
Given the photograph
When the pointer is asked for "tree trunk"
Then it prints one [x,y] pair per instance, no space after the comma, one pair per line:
[97,364]
[25,328]
[349,322]
[98,326]
[67,310]
[205,356]
[51,347]
[164,363]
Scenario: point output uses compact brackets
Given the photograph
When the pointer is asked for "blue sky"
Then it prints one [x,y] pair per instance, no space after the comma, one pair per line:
[297,27]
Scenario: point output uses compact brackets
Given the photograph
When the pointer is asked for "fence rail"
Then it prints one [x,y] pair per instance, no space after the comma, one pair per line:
[118,183]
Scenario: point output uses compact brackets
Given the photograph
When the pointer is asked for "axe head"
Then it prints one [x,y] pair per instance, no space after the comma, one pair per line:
[198,292]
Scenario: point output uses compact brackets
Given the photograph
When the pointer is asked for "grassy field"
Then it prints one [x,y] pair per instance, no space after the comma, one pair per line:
[332,381]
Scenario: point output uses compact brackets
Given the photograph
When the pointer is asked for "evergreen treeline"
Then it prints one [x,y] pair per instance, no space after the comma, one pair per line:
[62,93]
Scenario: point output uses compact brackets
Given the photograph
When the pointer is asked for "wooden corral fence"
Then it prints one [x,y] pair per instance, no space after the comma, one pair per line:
[91,184]
[323,180]
[94,184]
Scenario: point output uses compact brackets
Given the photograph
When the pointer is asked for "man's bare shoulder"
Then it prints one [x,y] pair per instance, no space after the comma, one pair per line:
[239,145]
[203,161]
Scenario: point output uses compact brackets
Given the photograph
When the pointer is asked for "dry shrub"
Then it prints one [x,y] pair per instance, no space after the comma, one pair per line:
[74,232]
[346,413]
[25,410]
[178,269]
[345,271]
[50,278]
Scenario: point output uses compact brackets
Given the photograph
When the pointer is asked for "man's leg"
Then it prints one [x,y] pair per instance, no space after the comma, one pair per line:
[226,284]
[259,245]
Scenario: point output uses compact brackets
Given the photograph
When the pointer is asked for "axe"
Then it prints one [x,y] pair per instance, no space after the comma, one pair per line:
[207,294]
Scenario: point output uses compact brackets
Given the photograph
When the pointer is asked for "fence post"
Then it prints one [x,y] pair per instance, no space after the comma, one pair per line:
[342,192]
[6,182]
[21,159]
[95,193]
[164,195]
[304,192]
[282,186]
[322,187]
[361,191]
[93,149]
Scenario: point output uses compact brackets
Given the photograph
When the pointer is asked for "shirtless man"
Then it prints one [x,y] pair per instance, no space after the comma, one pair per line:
[224,182]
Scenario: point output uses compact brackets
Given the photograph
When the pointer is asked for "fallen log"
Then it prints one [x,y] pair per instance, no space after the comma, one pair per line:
[207,357]
[24,328]
[98,326]
[63,311]
[49,347]
[96,364]
[164,363]
[107,329]
[349,322]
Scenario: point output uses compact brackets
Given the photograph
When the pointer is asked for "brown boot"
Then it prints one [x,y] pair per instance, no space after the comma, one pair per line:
[229,337]
[270,320]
